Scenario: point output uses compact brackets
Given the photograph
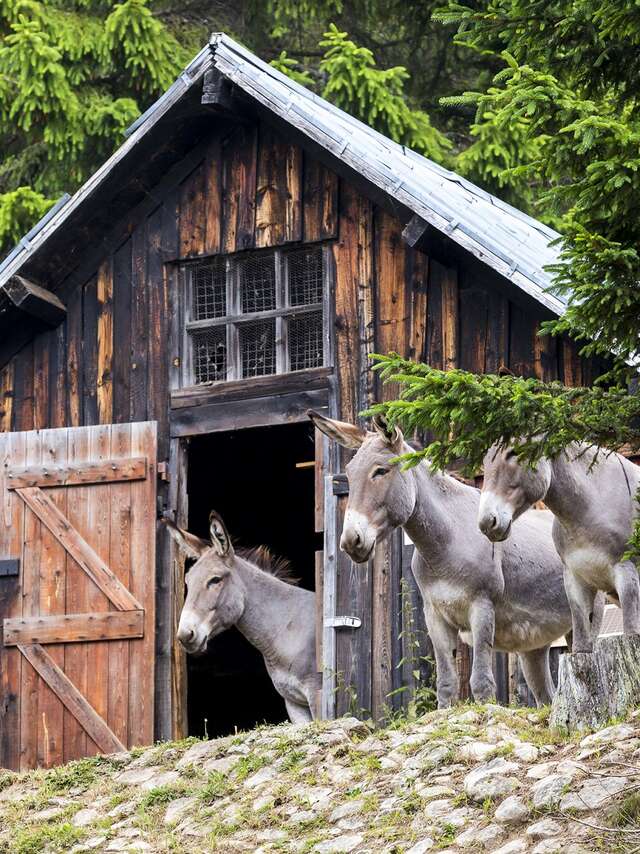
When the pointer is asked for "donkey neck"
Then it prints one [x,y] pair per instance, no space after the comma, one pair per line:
[439,511]
[568,487]
[268,606]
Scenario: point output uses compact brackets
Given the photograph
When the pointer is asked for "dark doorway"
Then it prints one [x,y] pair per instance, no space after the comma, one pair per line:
[261,481]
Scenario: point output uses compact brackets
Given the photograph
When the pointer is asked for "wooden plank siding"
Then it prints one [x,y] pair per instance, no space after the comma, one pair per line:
[354,584]
[112,361]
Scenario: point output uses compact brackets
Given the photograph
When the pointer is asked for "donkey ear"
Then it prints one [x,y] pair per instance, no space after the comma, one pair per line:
[347,435]
[191,545]
[220,539]
[392,435]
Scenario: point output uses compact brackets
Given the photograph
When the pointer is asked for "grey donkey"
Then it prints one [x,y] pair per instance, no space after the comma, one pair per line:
[509,598]
[227,588]
[594,504]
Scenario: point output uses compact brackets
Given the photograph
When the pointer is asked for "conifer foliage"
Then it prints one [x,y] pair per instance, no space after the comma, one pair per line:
[569,93]
[75,73]
[375,95]
[73,76]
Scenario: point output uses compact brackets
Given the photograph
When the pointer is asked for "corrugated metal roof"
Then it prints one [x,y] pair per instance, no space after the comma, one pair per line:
[504,238]
[509,241]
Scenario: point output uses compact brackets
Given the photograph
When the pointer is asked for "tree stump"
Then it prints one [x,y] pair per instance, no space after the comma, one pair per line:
[595,687]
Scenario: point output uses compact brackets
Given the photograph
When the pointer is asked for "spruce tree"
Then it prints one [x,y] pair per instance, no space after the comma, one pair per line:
[73,76]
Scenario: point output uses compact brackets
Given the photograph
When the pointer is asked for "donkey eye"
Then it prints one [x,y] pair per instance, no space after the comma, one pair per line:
[379,472]
[215,580]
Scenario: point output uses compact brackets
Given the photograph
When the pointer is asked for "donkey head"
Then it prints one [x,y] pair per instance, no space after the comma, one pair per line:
[509,489]
[381,495]
[215,593]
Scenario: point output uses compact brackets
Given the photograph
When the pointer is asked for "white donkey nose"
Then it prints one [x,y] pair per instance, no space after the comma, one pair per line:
[351,539]
[358,537]
[494,517]
[185,635]
[488,522]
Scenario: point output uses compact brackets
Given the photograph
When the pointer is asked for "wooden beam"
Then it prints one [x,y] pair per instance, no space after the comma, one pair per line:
[198,395]
[75,474]
[217,91]
[79,549]
[68,628]
[252,412]
[35,300]
[414,230]
[71,698]
[421,235]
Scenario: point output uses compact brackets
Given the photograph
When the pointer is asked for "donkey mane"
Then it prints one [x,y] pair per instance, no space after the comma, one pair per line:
[278,567]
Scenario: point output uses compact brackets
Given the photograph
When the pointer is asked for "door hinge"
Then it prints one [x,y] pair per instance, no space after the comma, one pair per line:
[163,471]
[340,484]
[10,566]
[340,622]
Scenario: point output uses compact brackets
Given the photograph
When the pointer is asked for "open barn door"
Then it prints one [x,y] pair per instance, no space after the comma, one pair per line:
[77,587]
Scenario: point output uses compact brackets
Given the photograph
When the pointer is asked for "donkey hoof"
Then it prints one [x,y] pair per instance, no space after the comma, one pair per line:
[483,691]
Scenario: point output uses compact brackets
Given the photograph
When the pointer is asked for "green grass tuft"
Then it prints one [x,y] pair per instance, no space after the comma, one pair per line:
[216,787]
[627,812]
[249,765]
[83,773]
[163,795]
[49,837]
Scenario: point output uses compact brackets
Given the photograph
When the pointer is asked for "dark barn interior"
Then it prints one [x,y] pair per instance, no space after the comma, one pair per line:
[249,477]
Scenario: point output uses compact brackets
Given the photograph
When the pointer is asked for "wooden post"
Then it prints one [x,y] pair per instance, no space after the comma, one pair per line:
[595,687]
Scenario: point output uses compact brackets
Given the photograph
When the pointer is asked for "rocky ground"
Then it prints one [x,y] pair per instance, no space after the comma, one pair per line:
[474,777]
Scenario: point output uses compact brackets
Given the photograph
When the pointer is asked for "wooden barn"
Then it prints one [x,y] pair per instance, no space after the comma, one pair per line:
[163,333]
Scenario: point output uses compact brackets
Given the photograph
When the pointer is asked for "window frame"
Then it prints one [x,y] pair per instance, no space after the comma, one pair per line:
[235,318]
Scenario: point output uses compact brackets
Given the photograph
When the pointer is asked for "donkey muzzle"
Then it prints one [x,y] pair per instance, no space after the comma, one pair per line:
[190,636]
[358,537]
[494,517]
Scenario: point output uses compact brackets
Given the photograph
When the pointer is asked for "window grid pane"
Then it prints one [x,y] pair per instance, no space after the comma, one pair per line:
[258,347]
[305,341]
[305,276]
[257,275]
[209,290]
[225,287]
[210,354]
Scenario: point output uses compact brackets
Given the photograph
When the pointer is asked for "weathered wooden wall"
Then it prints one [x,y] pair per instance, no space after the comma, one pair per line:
[111,360]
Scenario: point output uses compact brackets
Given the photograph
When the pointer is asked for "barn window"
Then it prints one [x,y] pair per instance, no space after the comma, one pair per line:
[253,314]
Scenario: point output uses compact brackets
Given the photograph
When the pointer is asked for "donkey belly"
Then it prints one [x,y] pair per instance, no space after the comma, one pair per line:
[525,633]
[523,625]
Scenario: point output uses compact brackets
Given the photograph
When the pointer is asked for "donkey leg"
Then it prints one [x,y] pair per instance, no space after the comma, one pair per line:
[625,577]
[581,603]
[298,714]
[599,602]
[537,674]
[482,624]
[444,639]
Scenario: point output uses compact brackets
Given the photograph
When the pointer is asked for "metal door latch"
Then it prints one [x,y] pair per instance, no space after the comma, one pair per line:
[339,622]
[10,566]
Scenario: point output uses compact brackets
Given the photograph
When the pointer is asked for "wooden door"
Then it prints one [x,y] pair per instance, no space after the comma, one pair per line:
[77,587]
